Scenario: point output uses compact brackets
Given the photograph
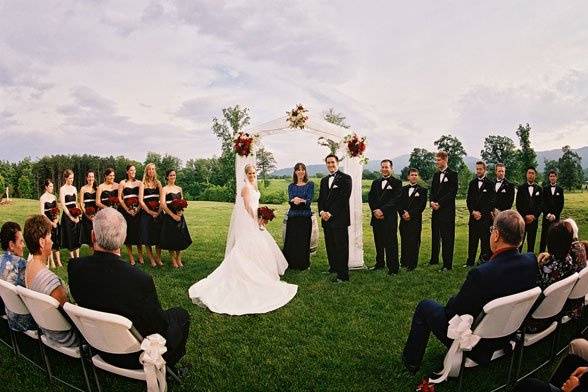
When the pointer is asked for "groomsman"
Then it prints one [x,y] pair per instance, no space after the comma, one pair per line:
[413,201]
[553,203]
[333,205]
[504,189]
[383,198]
[442,200]
[480,201]
[528,203]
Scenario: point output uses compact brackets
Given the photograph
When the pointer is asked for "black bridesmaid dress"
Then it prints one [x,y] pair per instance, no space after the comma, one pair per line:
[150,227]
[55,231]
[105,197]
[70,231]
[133,222]
[86,229]
[174,235]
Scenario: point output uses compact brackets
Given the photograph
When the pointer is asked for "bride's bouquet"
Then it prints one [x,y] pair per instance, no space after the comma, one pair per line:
[265,214]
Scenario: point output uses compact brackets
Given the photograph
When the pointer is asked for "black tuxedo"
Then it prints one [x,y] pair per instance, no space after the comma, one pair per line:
[529,205]
[410,230]
[385,195]
[106,283]
[509,272]
[552,203]
[335,200]
[481,197]
[504,195]
[443,220]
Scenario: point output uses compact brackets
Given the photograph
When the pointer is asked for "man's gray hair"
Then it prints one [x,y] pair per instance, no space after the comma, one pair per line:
[110,229]
[511,226]
[574,226]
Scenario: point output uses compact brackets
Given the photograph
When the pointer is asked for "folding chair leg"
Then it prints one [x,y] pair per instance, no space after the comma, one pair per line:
[174,375]
[554,342]
[45,357]
[85,371]
[96,378]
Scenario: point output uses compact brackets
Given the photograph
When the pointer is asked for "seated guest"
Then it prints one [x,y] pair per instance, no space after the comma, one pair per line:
[105,282]
[508,272]
[37,235]
[12,270]
[569,375]
[578,250]
[559,264]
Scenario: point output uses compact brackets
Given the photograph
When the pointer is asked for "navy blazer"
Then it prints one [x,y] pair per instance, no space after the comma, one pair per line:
[508,273]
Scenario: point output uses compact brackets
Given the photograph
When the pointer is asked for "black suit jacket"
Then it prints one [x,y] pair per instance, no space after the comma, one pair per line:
[508,273]
[444,193]
[504,196]
[552,203]
[386,199]
[415,204]
[335,200]
[106,283]
[529,205]
[481,199]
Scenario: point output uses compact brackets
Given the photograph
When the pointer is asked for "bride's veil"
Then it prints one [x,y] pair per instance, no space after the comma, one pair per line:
[239,217]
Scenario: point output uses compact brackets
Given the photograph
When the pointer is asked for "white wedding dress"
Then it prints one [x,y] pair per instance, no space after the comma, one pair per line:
[248,279]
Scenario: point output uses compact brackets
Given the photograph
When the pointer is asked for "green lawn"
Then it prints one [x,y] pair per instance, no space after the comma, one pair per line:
[329,338]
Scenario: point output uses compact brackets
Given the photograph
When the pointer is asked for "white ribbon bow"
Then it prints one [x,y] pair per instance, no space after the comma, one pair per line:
[459,330]
[153,347]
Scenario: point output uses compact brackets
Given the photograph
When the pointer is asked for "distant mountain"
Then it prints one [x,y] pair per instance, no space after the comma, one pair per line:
[402,161]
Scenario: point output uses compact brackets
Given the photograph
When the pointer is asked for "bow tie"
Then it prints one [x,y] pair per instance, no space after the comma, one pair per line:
[499,181]
[413,186]
[385,178]
[480,180]
[332,175]
[530,185]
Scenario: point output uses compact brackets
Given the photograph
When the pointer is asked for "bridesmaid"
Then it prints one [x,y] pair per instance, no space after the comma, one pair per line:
[107,189]
[149,192]
[48,204]
[70,226]
[128,193]
[175,236]
[299,223]
[88,205]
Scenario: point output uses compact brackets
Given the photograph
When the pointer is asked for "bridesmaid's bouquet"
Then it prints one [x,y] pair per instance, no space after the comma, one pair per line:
[132,203]
[54,212]
[113,201]
[178,205]
[74,212]
[153,205]
[425,386]
[90,211]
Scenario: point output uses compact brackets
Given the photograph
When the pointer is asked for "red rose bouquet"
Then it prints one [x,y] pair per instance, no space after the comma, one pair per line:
[90,211]
[178,205]
[132,203]
[426,386]
[243,143]
[54,213]
[113,200]
[265,213]
[75,212]
[152,205]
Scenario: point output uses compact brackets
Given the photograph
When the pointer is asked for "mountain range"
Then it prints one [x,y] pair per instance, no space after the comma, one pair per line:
[402,161]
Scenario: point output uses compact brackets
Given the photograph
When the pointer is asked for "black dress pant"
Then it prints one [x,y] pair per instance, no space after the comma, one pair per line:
[386,241]
[410,242]
[530,235]
[443,235]
[545,226]
[479,232]
[176,336]
[337,244]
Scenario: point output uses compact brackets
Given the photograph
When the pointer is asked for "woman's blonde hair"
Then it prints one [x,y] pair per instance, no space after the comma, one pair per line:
[150,181]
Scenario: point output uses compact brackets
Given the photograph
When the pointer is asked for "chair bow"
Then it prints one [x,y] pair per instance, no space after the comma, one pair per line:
[153,347]
[459,330]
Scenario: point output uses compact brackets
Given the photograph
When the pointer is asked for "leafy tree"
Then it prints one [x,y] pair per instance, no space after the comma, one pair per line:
[265,162]
[526,155]
[501,149]
[464,176]
[571,174]
[549,165]
[370,174]
[424,161]
[454,148]
[2,186]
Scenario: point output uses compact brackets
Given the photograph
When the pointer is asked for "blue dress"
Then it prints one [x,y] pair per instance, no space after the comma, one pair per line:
[299,227]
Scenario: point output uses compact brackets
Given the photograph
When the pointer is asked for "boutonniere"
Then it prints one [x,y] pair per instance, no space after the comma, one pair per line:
[504,191]
[536,193]
[416,194]
[445,179]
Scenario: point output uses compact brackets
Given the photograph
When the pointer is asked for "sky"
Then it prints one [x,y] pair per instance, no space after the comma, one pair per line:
[123,78]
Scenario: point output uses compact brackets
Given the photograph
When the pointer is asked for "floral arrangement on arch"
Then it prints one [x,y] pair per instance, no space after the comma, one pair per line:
[356,146]
[297,117]
[243,143]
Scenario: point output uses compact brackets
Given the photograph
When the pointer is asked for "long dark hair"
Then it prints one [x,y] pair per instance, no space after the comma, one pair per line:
[86,179]
[297,166]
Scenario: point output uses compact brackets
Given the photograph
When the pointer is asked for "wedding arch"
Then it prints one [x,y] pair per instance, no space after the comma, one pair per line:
[298,120]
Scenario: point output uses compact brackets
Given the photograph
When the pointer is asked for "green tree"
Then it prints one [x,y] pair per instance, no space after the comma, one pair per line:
[549,165]
[571,174]
[424,161]
[526,156]
[454,148]
[2,186]
[235,119]
[501,149]
[265,162]
[464,176]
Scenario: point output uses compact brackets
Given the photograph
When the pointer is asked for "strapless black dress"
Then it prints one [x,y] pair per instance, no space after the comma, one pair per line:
[70,231]
[55,231]
[86,228]
[174,235]
[133,222]
[151,227]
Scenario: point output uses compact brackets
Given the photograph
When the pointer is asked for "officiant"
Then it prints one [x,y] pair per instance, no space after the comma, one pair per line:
[384,198]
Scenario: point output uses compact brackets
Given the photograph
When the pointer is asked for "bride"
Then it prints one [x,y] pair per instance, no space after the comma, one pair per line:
[248,279]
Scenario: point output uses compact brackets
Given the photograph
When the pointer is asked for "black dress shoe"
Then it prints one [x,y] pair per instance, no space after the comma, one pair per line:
[412,369]
[390,272]
[408,269]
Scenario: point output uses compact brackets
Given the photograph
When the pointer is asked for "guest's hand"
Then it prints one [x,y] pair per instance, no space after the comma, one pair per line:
[570,384]
[543,258]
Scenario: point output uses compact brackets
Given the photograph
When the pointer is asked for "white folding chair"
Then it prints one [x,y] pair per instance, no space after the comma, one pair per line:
[578,294]
[109,333]
[550,307]
[8,343]
[501,318]
[45,312]
[13,303]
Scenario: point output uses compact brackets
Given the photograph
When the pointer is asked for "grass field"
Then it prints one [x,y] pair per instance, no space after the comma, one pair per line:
[328,338]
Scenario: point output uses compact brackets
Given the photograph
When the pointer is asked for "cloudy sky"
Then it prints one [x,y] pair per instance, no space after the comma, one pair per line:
[129,77]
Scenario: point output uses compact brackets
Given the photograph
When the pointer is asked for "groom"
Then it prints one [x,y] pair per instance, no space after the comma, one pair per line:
[333,205]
